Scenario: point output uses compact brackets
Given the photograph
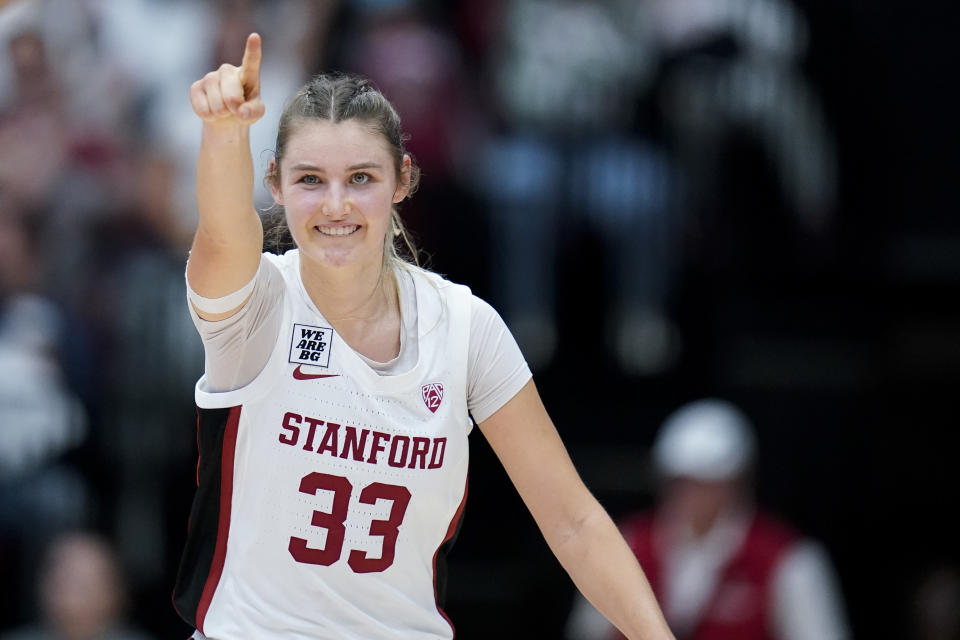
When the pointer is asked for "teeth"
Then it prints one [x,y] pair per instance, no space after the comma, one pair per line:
[338,231]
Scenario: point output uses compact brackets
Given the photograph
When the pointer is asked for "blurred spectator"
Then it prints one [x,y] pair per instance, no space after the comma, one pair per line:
[61,140]
[732,79]
[149,357]
[565,146]
[30,131]
[167,45]
[40,417]
[721,566]
[647,119]
[416,66]
[41,420]
[81,593]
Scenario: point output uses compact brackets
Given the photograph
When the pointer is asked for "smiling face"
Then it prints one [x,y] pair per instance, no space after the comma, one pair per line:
[338,183]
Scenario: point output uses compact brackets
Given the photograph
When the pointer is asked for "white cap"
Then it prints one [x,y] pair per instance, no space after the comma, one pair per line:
[708,439]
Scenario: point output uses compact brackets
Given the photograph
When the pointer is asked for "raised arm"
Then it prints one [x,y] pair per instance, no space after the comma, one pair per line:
[576,527]
[229,238]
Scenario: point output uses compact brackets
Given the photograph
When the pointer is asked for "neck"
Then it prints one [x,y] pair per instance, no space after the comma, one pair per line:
[361,293]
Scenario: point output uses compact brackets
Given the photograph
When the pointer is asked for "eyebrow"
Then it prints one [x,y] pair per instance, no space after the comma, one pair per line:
[355,167]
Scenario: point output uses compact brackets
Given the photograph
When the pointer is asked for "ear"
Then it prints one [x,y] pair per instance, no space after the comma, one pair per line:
[273,180]
[403,187]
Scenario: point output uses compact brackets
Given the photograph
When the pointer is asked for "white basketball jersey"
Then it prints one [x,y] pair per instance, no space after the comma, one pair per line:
[327,494]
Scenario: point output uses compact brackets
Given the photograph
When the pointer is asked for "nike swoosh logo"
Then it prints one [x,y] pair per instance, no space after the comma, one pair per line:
[300,375]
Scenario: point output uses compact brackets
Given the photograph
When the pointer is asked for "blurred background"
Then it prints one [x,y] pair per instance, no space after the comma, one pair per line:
[665,199]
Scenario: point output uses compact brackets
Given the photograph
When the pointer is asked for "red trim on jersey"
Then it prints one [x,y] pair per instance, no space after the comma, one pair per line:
[198,449]
[451,530]
[223,525]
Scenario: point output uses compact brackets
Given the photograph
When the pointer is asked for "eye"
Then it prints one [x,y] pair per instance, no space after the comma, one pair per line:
[360,178]
[310,179]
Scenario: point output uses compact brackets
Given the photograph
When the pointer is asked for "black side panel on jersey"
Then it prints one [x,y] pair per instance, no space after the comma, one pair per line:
[202,529]
[440,576]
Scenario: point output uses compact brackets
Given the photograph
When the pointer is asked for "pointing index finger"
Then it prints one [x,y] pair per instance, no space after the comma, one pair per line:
[250,67]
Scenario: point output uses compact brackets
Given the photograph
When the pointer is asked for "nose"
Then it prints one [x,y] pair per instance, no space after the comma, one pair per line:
[334,204]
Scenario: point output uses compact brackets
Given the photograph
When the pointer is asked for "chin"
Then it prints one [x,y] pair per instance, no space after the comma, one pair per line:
[332,258]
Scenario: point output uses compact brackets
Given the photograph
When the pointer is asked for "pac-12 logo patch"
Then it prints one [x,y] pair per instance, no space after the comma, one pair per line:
[311,345]
[432,395]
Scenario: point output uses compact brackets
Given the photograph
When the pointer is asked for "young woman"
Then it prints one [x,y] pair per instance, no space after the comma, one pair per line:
[335,406]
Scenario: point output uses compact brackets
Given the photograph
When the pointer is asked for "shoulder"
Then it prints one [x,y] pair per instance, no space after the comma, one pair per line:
[483,312]
[424,277]
[480,309]
[436,296]
[483,317]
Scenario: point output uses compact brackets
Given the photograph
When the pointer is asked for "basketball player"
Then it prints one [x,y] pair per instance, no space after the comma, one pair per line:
[335,405]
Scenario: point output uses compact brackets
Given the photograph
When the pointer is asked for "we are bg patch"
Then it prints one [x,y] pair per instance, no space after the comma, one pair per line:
[311,345]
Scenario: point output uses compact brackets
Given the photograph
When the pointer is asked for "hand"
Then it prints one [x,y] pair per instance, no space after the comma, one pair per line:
[231,94]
